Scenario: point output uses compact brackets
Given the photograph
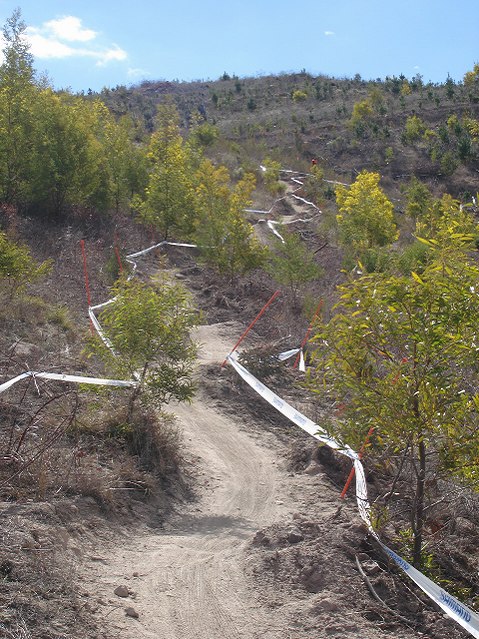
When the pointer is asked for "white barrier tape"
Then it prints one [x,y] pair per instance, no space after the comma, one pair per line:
[11,382]
[97,306]
[288,354]
[336,182]
[302,364]
[62,377]
[294,351]
[100,332]
[80,379]
[155,246]
[271,224]
[297,181]
[256,211]
[301,199]
[464,616]
[288,411]
[467,618]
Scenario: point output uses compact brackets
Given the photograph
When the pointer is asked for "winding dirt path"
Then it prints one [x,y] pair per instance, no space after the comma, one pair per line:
[189,581]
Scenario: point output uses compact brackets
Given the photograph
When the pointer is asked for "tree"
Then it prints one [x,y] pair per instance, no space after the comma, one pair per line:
[148,328]
[362,116]
[271,175]
[17,94]
[419,199]
[299,95]
[291,264]
[124,163]
[443,217]
[401,353]
[471,82]
[66,167]
[365,216]
[168,204]
[225,238]
[413,129]
[202,134]
[17,267]
[313,185]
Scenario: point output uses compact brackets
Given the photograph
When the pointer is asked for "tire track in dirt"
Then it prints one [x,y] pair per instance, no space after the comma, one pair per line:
[189,581]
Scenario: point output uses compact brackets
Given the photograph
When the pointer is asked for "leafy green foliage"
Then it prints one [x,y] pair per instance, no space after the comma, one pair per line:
[313,185]
[299,96]
[362,116]
[401,351]
[443,218]
[168,203]
[59,152]
[16,118]
[121,161]
[148,328]
[419,199]
[203,135]
[271,176]
[17,267]
[471,81]
[365,216]
[413,130]
[291,264]
[225,238]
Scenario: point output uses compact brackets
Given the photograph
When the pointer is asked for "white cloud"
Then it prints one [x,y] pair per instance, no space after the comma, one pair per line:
[115,53]
[70,28]
[42,47]
[49,41]
[329,33]
[137,73]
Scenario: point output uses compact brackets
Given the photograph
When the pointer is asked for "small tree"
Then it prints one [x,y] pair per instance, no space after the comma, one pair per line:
[148,328]
[291,263]
[17,267]
[271,176]
[401,352]
[17,94]
[314,185]
[362,117]
[443,217]
[225,238]
[419,199]
[365,216]
[413,130]
[471,82]
[168,203]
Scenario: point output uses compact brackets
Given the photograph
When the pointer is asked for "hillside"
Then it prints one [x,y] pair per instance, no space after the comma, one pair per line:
[295,118]
[128,512]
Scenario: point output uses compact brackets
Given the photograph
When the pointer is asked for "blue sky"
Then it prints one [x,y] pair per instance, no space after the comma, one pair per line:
[84,44]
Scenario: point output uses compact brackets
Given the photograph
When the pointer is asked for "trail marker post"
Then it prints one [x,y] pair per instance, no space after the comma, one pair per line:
[87,284]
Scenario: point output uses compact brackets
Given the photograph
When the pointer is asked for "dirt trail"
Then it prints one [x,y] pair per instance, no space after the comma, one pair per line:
[189,581]
[300,211]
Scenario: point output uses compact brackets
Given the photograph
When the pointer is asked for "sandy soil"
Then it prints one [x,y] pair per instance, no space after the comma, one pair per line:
[188,580]
[262,553]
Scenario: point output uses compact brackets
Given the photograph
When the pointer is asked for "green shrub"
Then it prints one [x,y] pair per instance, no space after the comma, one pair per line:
[17,267]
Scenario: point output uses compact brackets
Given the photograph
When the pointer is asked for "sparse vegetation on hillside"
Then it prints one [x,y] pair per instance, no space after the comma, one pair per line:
[390,168]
